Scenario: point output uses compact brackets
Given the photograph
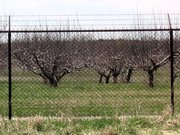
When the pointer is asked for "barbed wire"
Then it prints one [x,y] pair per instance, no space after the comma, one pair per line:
[90,21]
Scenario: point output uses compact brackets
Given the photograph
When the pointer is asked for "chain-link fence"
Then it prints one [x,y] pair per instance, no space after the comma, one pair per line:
[89,72]
[3,75]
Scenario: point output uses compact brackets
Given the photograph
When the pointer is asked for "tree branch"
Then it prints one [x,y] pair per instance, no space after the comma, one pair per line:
[161,63]
[41,67]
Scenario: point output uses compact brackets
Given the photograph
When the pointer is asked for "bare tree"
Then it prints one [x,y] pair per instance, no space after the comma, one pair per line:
[153,67]
[47,56]
[116,68]
[100,64]
[148,55]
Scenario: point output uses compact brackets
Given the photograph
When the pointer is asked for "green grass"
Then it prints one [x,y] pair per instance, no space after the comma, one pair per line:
[113,126]
[80,94]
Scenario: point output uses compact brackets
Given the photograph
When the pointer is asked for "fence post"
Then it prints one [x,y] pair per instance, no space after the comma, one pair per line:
[171,66]
[9,72]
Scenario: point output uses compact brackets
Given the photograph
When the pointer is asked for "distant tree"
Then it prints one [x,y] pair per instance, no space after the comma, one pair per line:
[108,59]
[101,65]
[148,55]
[116,68]
[100,58]
[47,56]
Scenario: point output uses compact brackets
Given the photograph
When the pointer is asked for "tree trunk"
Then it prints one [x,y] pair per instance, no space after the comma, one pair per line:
[100,79]
[151,77]
[115,72]
[115,78]
[129,74]
[122,76]
[107,79]
[45,80]
[53,82]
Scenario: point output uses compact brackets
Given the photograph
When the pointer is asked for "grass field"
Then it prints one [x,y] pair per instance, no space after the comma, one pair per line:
[80,94]
[113,126]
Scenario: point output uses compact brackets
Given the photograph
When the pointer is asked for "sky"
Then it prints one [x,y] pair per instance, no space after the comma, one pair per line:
[55,7]
[85,7]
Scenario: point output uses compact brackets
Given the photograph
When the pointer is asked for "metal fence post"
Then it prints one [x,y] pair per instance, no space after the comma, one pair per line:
[172,71]
[9,71]
[171,66]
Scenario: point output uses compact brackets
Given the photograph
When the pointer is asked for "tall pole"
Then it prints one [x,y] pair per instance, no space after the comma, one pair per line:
[9,71]
[171,65]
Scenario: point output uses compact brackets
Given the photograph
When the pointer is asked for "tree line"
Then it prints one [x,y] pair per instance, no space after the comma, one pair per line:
[52,56]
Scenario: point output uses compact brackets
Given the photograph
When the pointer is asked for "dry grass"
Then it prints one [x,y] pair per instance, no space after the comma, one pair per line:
[159,125]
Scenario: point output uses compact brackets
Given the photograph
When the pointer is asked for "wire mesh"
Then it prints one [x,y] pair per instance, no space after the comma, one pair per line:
[3,75]
[81,71]
[90,73]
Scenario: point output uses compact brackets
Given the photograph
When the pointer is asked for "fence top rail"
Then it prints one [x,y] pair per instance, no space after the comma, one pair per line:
[87,30]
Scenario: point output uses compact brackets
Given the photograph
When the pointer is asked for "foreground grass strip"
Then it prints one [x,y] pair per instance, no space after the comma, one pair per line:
[104,126]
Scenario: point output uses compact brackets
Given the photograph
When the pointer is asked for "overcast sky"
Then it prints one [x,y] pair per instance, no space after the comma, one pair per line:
[84,7]
[49,7]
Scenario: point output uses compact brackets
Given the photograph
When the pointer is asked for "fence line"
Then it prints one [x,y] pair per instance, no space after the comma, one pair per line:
[10,32]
